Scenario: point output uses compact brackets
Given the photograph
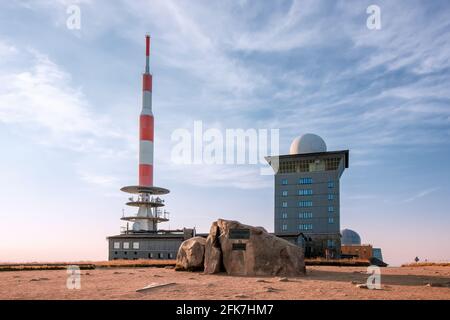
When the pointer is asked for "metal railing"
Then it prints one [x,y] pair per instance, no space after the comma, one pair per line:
[146,198]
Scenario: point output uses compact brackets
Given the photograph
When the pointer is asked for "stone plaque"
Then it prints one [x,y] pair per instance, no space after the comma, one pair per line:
[239,246]
[239,234]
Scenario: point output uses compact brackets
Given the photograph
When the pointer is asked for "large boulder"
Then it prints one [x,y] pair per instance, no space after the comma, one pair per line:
[251,251]
[213,253]
[191,254]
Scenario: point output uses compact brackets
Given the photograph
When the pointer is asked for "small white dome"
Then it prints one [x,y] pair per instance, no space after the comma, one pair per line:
[307,143]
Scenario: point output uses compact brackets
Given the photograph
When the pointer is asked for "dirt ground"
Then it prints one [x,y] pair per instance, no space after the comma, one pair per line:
[319,283]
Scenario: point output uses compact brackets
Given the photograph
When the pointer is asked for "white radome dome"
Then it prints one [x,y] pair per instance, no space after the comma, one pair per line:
[307,143]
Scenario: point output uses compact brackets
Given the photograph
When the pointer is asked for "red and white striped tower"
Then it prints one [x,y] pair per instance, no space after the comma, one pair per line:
[146,124]
[150,211]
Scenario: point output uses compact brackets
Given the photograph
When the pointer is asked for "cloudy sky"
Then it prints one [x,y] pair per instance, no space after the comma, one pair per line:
[70,99]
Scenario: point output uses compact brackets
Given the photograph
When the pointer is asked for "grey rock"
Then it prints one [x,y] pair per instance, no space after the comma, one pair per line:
[191,254]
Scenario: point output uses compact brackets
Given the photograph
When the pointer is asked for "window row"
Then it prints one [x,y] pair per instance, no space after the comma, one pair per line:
[304,204]
[151,255]
[300,181]
[126,245]
[301,215]
[301,192]
[305,192]
[303,226]
[307,181]
[305,215]
[284,204]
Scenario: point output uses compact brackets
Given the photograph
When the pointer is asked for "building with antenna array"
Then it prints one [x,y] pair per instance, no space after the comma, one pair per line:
[144,240]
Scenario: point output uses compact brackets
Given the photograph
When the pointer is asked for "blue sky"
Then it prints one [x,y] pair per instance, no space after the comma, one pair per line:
[70,99]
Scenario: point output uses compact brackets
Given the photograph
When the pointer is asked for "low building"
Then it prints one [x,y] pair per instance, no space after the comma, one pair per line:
[149,245]
[364,251]
[351,247]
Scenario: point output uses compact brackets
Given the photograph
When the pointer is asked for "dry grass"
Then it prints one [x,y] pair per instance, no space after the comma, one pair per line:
[34,267]
[134,263]
[427,264]
[86,265]
[337,262]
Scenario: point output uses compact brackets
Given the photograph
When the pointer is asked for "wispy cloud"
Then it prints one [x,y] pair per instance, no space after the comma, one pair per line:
[420,194]
[44,105]
[44,99]
[361,197]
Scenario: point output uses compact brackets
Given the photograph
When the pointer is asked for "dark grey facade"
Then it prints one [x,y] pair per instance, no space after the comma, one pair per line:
[307,202]
[158,245]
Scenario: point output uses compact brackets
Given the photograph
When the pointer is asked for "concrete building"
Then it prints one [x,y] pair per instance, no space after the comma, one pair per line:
[307,184]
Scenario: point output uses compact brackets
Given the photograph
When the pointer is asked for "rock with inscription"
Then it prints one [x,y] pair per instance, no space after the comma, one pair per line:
[251,251]
[190,255]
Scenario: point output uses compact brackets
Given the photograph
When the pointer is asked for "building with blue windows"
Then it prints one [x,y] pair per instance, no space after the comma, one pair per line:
[307,184]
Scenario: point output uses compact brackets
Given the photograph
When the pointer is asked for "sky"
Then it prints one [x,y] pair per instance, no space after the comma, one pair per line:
[70,100]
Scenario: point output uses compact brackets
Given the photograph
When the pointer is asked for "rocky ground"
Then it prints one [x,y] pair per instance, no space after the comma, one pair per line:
[319,283]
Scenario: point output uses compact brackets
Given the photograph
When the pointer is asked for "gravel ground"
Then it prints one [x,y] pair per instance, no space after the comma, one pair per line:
[319,283]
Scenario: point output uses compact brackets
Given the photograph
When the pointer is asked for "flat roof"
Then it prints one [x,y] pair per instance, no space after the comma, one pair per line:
[147,235]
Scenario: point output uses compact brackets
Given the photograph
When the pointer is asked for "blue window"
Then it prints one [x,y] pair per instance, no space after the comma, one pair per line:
[284,193]
[305,204]
[330,209]
[305,181]
[330,243]
[305,215]
[305,226]
[330,184]
[284,204]
[330,220]
[330,196]
[284,227]
[284,215]
[305,192]
[284,182]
